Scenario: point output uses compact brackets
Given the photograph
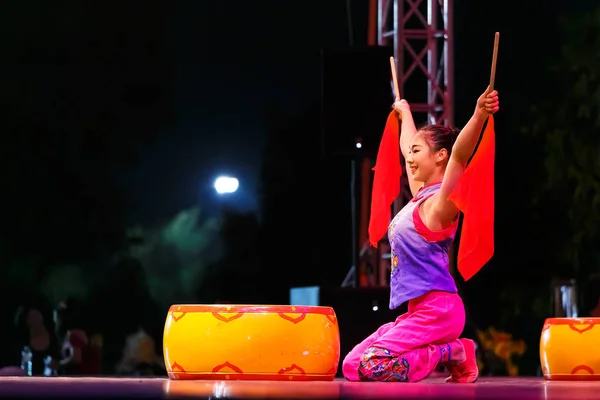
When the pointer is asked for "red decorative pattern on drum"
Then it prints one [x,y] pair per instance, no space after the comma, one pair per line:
[177,367]
[225,318]
[177,318]
[587,328]
[291,368]
[227,364]
[252,309]
[582,368]
[292,319]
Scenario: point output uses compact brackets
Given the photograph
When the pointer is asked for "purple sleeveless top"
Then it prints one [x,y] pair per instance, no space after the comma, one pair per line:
[419,255]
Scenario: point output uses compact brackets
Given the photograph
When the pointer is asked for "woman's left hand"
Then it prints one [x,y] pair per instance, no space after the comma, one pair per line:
[488,103]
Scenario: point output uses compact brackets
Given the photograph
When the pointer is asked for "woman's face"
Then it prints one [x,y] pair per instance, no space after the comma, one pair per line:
[420,160]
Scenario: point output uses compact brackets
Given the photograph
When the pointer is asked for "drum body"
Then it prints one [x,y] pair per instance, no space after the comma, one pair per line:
[569,349]
[251,342]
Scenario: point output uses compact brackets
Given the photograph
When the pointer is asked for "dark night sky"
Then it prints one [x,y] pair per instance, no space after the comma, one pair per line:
[233,59]
[226,63]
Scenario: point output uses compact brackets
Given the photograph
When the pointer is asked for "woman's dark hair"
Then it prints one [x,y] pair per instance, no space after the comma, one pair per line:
[440,137]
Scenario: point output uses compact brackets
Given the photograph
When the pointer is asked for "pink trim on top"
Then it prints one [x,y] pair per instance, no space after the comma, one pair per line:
[417,197]
[425,232]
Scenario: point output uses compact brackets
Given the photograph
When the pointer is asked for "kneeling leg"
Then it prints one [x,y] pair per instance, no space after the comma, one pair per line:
[378,364]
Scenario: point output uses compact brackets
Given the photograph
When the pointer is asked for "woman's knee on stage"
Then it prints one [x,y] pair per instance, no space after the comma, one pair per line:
[350,361]
[377,364]
[350,365]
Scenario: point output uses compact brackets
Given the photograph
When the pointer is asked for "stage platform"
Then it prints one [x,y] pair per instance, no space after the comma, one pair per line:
[434,388]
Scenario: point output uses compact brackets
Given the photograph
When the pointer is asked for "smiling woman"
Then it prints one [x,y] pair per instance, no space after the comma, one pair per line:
[420,235]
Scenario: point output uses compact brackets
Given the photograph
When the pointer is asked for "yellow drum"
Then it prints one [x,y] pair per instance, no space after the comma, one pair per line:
[251,342]
[570,349]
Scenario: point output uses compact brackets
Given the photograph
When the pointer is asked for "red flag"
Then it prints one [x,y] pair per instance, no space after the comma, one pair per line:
[474,196]
[386,182]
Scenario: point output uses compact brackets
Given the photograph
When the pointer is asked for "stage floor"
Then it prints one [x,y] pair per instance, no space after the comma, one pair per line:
[485,388]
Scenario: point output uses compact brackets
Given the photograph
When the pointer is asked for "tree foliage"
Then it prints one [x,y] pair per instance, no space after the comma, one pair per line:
[175,256]
[63,282]
[568,124]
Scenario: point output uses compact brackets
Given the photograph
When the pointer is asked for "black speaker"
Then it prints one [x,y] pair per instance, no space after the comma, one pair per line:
[356,97]
[360,311]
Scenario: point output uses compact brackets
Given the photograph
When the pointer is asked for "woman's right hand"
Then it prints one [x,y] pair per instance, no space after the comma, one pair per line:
[401,106]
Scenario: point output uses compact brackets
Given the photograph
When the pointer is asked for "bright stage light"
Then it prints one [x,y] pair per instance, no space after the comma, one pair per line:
[226,185]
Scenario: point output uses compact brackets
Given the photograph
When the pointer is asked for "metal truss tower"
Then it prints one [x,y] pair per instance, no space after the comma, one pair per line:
[421,34]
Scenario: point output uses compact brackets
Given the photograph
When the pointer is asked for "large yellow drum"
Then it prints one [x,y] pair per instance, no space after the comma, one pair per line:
[570,349]
[251,342]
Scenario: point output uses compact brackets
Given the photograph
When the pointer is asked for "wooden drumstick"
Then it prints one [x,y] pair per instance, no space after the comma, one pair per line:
[395,78]
[494,59]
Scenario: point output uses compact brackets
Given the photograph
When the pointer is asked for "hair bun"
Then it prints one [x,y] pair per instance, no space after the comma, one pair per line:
[454,132]
[440,136]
